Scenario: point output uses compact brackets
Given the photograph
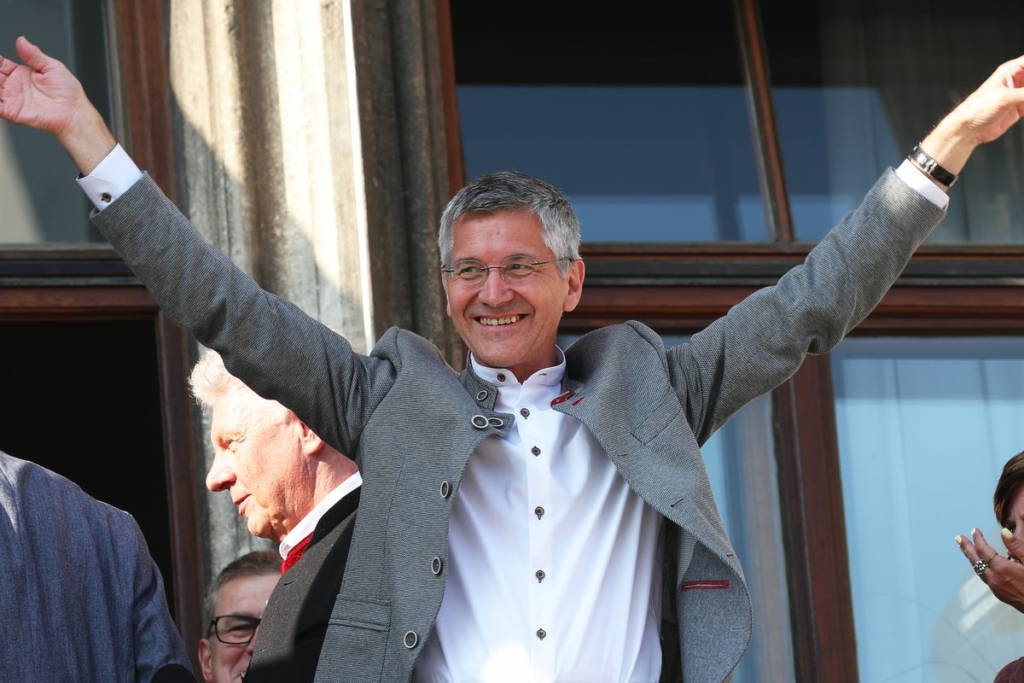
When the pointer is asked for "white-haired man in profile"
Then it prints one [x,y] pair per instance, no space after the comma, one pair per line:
[292,488]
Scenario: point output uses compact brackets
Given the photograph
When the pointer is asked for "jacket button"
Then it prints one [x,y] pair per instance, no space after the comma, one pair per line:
[445,489]
[435,565]
[481,395]
[539,511]
[535,450]
[410,639]
[540,575]
[479,421]
[540,633]
[525,412]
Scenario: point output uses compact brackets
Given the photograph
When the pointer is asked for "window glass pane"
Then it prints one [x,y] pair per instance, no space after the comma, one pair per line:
[639,117]
[35,172]
[924,427]
[857,84]
[740,460]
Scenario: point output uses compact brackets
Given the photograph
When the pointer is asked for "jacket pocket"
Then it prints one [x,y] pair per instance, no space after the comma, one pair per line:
[366,614]
[356,638]
[655,423]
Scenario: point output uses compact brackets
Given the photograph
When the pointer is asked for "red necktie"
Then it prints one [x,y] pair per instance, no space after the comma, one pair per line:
[295,554]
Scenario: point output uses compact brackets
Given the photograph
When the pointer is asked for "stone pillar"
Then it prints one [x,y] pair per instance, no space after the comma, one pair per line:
[310,140]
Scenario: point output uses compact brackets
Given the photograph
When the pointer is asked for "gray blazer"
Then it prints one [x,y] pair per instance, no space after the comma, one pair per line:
[649,407]
[80,597]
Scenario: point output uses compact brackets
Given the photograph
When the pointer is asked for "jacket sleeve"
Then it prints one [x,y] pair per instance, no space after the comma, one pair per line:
[266,341]
[763,340]
[159,654]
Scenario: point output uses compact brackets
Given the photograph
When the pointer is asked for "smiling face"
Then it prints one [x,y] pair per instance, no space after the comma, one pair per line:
[261,461]
[244,596]
[507,324]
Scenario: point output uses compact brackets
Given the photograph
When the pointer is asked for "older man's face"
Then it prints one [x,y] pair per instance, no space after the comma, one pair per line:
[510,324]
[245,596]
[259,460]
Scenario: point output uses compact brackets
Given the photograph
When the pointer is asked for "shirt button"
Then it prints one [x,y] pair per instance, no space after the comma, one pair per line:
[501,377]
[535,450]
[525,412]
[410,639]
[540,575]
[445,489]
[435,565]
[540,633]
[539,511]
[105,197]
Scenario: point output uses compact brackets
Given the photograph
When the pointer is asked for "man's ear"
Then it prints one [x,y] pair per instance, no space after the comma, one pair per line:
[447,303]
[575,281]
[206,659]
[311,442]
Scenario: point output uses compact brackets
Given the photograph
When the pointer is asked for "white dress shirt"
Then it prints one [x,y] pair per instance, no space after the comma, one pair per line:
[554,571]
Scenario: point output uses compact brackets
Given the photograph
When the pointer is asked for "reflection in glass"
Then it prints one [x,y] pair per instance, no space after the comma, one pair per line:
[924,427]
[857,84]
[639,116]
[650,164]
[741,464]
[40,202]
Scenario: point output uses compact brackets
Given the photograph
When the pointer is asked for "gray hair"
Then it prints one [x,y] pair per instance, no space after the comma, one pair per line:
[256,563]
[515,191]
[210,380]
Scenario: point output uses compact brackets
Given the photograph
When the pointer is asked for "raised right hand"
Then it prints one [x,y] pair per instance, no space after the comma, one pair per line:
[43,94]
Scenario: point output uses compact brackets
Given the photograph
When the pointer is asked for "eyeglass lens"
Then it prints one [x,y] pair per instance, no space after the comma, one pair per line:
[235,630]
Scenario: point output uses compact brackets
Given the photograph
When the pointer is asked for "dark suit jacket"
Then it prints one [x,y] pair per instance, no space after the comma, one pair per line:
[295,620]
[80,597]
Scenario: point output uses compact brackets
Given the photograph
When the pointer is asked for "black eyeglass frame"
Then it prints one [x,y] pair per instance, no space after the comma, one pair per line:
[215,630]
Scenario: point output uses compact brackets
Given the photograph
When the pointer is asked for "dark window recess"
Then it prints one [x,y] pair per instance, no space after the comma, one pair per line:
[537,42]
[83,400]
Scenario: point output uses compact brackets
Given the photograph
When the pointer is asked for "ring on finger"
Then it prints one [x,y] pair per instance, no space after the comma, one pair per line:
[980,566]
[989,560]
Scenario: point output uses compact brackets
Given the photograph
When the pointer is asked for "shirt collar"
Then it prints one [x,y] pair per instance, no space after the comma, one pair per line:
[500,377]
[308,523]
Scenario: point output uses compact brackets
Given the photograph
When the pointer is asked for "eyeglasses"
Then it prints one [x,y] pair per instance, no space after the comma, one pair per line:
[512,270]
[234,629]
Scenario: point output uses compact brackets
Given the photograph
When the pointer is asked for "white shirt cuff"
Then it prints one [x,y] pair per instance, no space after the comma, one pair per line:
[110,179]
[919,182]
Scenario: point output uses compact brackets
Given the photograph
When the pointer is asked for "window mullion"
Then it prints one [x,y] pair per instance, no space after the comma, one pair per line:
[767,152]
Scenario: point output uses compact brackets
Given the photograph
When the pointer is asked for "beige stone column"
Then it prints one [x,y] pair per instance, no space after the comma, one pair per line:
[310,138]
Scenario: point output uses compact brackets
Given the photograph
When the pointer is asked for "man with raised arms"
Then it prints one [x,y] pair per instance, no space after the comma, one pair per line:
[545,515]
